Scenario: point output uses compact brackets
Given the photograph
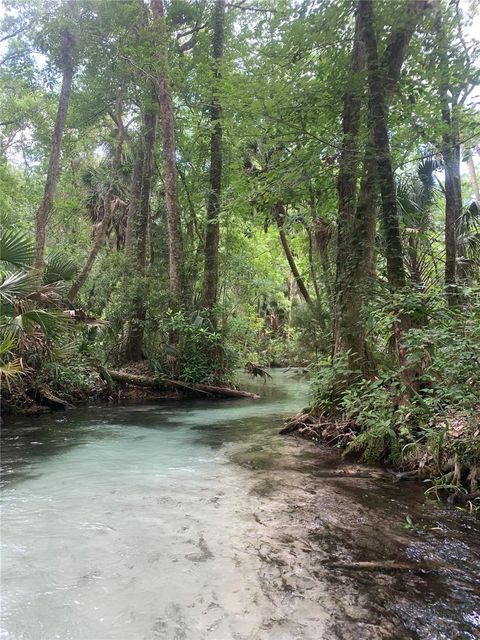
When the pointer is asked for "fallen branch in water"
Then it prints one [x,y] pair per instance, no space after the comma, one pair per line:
[153,383]
[383,565]
[51,399]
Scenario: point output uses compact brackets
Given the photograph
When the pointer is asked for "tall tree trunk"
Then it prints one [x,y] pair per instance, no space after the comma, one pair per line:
[172,207]
[473,177]
[318,240]
[347,337]
[134,346]
[43,212]
[212,233]
[349,330]
[311,262]
[379,116]
[279,216]
[451,162]
[453,200]
[135,198]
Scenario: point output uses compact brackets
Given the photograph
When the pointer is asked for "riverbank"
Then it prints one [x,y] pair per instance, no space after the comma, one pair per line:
[446,456]
[64,388]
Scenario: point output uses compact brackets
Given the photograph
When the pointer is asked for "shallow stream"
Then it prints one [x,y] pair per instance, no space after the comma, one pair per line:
[194,520]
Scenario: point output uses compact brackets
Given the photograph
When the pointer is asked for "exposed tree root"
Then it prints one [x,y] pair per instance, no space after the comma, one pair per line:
[443,467]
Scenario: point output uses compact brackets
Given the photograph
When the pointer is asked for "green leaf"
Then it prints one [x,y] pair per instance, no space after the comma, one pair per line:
[18,284]
[16,248]
[58,268]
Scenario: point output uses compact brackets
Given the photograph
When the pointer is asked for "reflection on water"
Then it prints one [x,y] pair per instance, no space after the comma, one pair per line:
[194,520]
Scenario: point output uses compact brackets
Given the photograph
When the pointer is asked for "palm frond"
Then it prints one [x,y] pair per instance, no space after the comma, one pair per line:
[15,248]
[18,284]
[10,370]
[52,322]
[59,268]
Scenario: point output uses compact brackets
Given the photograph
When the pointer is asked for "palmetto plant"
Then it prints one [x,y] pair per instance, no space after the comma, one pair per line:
[101,186]
[31,302]
[415,198]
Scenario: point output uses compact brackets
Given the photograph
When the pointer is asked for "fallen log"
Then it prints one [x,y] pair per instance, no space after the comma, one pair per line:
[154,383]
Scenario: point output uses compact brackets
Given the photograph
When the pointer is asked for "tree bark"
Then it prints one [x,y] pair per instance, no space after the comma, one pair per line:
[146,381]
[379,117]
[453,200]
[347,336]
[100,233]
[451,163]
[134,346]
[43,212]
[172,207]
[473,177]
[212,233]
[279,216]
[349,329]
[135,197]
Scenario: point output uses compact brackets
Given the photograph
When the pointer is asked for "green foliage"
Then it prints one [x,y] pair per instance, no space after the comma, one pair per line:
[403,415]
[69,380]
[16,248]
[199,354]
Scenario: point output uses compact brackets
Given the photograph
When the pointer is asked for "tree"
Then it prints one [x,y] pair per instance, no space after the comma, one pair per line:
[212,232]
[68,66]
[167,128]
[134,344]
[357,216]
[379,125]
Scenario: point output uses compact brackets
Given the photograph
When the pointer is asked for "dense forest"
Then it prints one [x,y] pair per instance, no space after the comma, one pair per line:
[195,186]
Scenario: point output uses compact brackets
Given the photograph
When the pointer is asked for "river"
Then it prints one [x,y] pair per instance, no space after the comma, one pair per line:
[194,520]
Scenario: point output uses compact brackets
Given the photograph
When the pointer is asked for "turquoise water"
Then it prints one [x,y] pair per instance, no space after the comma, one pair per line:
[192,520]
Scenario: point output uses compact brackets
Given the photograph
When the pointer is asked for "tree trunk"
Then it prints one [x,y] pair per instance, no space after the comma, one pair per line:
[453,200]
[44,210]
[110,205]
[212,233]
[318,241]
[135,197]
[204,389]
[347,337]
[99,238]
[349,330]
[279,216]
[379,117]
[172,207]
[134,346]
[473,177]
[451,163]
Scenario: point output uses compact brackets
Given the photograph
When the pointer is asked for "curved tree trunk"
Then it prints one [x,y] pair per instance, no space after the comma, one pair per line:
[212,233]
[99,238]
[172,207]
[279,216]
[111,204]
[43,212]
